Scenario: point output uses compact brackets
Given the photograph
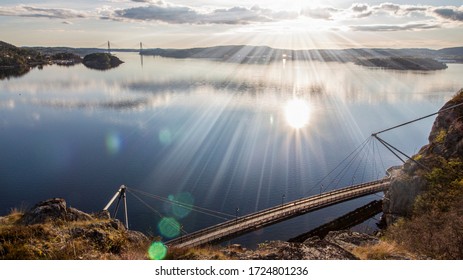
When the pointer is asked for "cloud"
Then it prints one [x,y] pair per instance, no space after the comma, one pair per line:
[31,11]
[360,10]
[389,7]
[168,13]
[159,13]
[453,13]
[325,13]
[430,17]
[159,2]
[397,27]
[173,14]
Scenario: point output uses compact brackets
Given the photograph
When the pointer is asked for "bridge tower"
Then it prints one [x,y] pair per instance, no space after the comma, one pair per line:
[121,193]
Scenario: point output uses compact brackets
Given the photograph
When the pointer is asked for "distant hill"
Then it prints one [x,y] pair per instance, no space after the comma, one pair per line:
[15,62]
[12,56]
[264,54]
[78,51]
[373,57]
[457,51]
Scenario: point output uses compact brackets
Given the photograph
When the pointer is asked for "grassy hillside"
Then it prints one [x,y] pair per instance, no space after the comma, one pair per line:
[56,232]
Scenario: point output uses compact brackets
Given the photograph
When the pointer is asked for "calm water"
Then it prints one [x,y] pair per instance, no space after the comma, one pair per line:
[217,135]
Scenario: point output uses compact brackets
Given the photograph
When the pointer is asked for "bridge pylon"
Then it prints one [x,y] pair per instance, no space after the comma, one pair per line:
[122,195]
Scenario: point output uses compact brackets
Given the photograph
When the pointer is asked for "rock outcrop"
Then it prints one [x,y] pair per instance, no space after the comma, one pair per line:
[401,195]
[335,246]
[51,230]
[52,210]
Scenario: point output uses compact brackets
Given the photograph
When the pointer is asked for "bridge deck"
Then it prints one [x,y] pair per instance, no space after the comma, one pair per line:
[266,217]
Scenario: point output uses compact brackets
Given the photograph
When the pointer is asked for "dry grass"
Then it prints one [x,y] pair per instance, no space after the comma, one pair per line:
[14,215]
[384,250]
[199,253]
[96,239]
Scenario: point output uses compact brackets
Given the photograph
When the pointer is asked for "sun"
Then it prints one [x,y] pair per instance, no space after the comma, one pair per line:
[297,113]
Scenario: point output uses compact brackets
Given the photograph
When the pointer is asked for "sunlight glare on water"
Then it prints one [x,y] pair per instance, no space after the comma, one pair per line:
[297,113]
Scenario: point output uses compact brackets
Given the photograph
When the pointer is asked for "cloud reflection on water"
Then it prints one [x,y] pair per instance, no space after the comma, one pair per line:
[255,85]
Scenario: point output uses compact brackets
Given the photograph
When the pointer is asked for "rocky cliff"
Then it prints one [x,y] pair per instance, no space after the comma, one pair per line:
[444,152]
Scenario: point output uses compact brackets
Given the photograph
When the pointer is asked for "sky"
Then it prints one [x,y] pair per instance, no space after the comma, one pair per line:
[293,24]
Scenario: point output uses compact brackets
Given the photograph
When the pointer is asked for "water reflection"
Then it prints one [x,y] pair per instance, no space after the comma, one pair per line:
[336,82]
[14,72]
[230,135]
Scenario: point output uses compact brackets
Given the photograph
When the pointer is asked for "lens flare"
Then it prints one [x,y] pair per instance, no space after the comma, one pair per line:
[183,208]
[297,113]
[157,251]
[113,143]
[169,227]
[165,137]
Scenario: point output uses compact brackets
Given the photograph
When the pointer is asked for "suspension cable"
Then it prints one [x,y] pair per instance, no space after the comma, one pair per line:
[365,155]
[157,212]
[380,157]
[182,204]
[399,151]
[202,210]
[343,171]
[385,144]
[368,158]
[418,119]
[334,169]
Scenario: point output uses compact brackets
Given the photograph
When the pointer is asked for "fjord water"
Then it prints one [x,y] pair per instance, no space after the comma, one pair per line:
[213,134]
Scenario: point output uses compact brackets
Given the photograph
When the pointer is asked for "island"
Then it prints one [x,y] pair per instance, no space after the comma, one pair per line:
[101,61]
[402,63]
[17,61]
